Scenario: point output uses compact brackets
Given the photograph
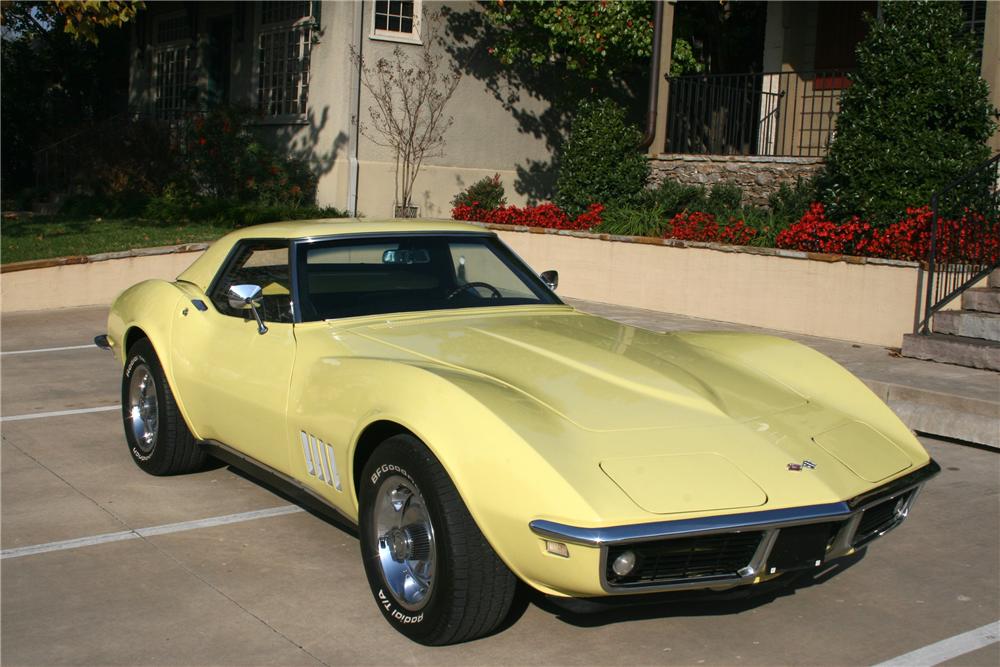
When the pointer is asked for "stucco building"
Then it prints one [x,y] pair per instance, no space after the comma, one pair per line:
[291,62]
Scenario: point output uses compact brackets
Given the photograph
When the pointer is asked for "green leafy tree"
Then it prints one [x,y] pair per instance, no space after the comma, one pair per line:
[594,39]
[917,114]
[600,161]
[682,59]
[82,19]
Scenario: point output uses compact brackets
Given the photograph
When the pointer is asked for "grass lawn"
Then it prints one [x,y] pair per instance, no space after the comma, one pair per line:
[41,237]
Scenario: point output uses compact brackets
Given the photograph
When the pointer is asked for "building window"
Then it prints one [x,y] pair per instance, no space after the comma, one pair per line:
[172,61]
[281,12]
[396,19]
[284,44]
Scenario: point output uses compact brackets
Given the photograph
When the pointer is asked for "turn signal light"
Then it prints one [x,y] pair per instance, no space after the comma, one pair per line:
[557,548]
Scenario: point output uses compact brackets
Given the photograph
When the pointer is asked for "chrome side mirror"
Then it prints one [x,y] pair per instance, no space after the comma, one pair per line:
[247,297]
[551,279]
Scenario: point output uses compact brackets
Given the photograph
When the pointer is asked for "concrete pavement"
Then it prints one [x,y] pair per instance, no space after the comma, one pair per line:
[290,589]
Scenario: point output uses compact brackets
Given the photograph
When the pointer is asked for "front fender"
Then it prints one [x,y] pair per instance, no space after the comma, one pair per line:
[464,420]
[150,307]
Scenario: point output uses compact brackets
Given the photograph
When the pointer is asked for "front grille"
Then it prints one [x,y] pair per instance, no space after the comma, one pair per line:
[800,547]
[879,518]
[699,557]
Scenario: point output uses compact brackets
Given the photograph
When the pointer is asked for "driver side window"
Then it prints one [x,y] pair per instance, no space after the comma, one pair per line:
[476,263]
[261,263]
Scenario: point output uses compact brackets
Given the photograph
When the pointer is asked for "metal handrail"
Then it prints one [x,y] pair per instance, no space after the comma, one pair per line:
[788,114]
[947,277]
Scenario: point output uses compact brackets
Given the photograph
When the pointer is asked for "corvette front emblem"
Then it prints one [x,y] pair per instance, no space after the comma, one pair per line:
[807,464]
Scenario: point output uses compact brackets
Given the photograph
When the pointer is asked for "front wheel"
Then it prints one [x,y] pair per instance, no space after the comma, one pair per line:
[433,574]
[157,437]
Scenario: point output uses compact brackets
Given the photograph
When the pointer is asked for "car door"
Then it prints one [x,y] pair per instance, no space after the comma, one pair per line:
[232,379]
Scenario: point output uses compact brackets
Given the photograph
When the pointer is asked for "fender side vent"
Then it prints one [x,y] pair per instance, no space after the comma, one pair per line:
[320,460]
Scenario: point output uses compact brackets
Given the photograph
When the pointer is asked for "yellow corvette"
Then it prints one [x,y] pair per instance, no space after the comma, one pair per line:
[423,382]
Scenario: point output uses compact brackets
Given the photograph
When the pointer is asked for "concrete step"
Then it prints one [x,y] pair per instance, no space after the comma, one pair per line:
[994,279]
[968,323]
[983,299]
[959,350]
[949,415]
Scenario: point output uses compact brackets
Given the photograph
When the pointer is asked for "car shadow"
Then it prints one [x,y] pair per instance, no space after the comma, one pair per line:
[596,612]
[314,507]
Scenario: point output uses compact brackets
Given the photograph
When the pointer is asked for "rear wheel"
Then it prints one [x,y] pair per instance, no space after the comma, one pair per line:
[158,439]
[433,574]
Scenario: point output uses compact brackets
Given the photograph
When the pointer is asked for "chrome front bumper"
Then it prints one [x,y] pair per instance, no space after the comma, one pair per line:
[849,514]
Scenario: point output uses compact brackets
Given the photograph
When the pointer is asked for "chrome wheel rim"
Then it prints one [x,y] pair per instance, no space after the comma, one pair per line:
[405,537]
[144,410]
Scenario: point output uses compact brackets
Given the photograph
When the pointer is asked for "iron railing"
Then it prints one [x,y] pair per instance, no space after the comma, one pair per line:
[786,114]
[964,245]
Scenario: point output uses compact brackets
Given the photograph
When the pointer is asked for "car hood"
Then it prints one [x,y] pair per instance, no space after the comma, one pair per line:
[599,374]
[679,422]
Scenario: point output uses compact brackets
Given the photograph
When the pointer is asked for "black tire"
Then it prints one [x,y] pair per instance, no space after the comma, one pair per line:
[472,589]
[172,450]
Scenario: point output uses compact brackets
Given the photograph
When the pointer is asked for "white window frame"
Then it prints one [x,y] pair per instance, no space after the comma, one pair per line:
[159,48]
[401,37]
[281,26]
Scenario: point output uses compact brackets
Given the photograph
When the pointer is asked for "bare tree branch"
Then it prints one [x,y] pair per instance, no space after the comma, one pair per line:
[409,94]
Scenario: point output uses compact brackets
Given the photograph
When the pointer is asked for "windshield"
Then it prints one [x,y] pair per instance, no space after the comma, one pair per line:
[403,273]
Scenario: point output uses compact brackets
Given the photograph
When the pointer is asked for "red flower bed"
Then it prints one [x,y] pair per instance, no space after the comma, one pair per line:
[971,238]
[814,233]
[549,216]
[698,226]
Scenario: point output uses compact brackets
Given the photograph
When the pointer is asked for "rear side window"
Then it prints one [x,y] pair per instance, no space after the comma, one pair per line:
[261,263]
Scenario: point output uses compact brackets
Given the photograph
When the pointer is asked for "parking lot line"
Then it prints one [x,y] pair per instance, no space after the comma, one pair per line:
[19,552]
[50,349]
[947,649]
[58,413]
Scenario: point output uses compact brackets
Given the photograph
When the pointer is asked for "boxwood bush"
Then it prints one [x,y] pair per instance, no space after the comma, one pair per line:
[916,116]
[600,162]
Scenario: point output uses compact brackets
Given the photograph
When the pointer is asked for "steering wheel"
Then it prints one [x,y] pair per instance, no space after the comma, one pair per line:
[461,288]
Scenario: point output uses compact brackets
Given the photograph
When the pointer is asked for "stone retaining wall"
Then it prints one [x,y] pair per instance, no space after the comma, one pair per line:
[758,176]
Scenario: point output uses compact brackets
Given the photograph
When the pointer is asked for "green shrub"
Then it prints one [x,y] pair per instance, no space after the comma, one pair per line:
[674,197]
[764,222]
[916,116]
[122,204]
[486,193]
[724,199]
[177,206]
[224,158]
[600,162]
[633,221]
[789,203]
[114,175]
